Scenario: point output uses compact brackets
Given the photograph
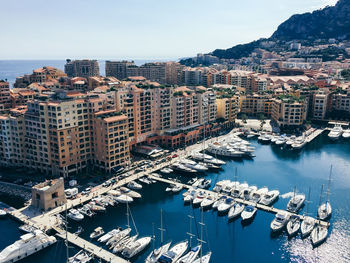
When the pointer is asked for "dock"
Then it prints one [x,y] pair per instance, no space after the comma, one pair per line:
[265,208]
[88,246]
[314,134]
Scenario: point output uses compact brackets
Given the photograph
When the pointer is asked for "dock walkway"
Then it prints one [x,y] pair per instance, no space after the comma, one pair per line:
[89,247]
[269,209]
[314,134]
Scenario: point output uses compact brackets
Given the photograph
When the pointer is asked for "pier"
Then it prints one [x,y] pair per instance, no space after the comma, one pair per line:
[265,208]
[314,135]
[88,246]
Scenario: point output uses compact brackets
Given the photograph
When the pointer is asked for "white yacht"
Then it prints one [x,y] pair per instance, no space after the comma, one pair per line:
[128,192]
[193,165]
[206,158]
[245,194]
[108,235]
[190,195]
[86,211]
[324,210]
[208,201]
[235,210]
[319,235]
[75,215]
[27,228]
[307,225]
[191,255]
[269,198]
[117,237]
[255,196]
[166,170]
[156,253]
[293,225]
[3,213]
[177,188]
[218,202]
[336,132]
[81,257]
[248,213]
[290,140]
[199,197]
[27,245]
[203,183]
[299,143]
[224,150]
[135,186]
[124,199]
[179,167]
[174,253]
[225,206]
[121,245]
[295,203]
[135,247]
[281,219]
[97,232]
[203,259]
[281,141]
[346,134]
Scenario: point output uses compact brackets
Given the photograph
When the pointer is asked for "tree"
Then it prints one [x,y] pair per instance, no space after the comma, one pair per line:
[262,120]
[244,118]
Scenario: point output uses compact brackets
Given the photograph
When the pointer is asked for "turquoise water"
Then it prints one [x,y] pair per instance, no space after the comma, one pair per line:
[231,241]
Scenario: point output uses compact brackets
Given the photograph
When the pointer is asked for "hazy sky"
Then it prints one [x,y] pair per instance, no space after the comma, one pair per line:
[139,29]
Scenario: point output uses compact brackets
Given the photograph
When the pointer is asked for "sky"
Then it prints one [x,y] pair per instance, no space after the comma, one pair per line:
[137,29]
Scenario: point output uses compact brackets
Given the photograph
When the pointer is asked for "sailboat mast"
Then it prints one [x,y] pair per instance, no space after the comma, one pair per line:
[201,239]
[161,229]
[308,201]
[321,195]
[190,233]
[66,224]
[329,184]
[127,214]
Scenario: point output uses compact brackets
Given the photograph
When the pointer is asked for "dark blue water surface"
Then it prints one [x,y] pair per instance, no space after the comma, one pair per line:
[230,241]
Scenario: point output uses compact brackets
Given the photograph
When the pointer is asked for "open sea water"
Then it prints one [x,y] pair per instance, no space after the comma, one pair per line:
[272,167]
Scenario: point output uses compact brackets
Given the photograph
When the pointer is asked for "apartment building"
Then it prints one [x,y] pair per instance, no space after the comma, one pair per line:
[320,104]
[259,83]
[94,82]
[192,76]
[40,75]
[82,68]
[118,69]
[173,73]
[228,108]
[255,104]
[289,111]
[5,101]
[207,104]
[111,143]
[341,102]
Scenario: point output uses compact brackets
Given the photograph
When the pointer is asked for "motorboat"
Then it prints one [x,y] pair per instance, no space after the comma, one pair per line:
[224,150]
[255,196]
[190,195]
[235,210]
[225,206]
[265,138]
[319,235]
[177,188]
[191,255]
[203,183]
[281,141]
[210,166]
[293,225]
[145,180]
[3,213]
[96,208]
[203,259]
[335,133]
[208,201]
[156,253]
[121,245]
[307,225]
[245,194]
[28,244]
[269,198]
[117,237]
[97,233]
[218,202]
[193,165]
[290,140]
[108,235]
[220,185]
[346,134]
[299,143]
[124,199]
[199,197]
[280,221]
[75,215]
[179,167]
[274,138]
[27,228]
[81,257]
[135,186]
[135,247]
[86,211]
[166,170]
[248,213]
[295,203]
[128,192]
[192,181]
[206,158]
[170,188]
[174,253]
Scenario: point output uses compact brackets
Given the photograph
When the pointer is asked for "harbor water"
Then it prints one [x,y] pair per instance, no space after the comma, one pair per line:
[272,167]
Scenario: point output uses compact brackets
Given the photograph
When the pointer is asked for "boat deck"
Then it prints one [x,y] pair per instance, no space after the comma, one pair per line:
[269,209]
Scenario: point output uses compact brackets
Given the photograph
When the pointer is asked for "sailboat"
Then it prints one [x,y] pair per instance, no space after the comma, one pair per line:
[308,222]
[205,258]
[325,209]
[296,202]
[156,253]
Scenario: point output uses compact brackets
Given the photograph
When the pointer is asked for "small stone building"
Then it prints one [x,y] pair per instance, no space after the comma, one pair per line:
[49,194]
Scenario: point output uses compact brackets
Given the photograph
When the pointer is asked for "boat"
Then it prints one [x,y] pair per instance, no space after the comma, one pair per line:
[346,134]
[280,221]
[248,213]
[206,158]
[203,183]
[177,188]
[225,206]
[319,235]
[3,213]
[191,255]
[220,185]
[281,140]
[109,235]
[178,167]
[135,247]
[224,150]
[121,244]
[81,257]
[166,170]
[299,143]
[96,208]
[335,133]
[219,201]
[208,201]
[246,193]
[27,245]
[86,211]
[192,181]
[203,259]
[124,199]
[174,253]
[117,237]
[190,195]
[144,180]
[210,166]
[293,225]
[75,215]
[193,165]
[307,225]
[255,196]
[97,232]
[290,140]
[27,229]
[265,138]
[79,231]
[199,197]
[269,198]
[128,192]
[170,188]
[235,210]
[135,186]
[296,202]
[324,211]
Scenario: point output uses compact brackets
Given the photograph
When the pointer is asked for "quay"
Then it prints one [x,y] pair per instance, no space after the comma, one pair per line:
[89,247]
[314,135]
[265,208]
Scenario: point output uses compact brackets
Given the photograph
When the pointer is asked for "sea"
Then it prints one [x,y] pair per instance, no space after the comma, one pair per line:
[231,241]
